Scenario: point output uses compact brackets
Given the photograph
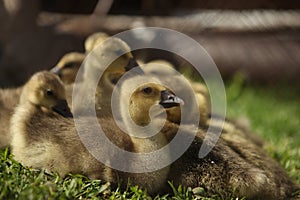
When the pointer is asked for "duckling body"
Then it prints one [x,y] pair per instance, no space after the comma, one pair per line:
[9,98]
[279,186]
[231,168]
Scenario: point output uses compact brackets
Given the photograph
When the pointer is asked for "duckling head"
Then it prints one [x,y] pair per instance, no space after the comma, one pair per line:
[112,56]
[45,90]
[151,99]
[68,66]
[94,40]
[160,68]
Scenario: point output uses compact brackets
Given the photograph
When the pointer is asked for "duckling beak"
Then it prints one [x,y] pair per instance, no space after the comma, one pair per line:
[56,70]
[62,108]
[131,64]
[169,100]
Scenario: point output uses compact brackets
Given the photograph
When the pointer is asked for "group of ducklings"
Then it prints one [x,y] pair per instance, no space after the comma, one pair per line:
[43,135]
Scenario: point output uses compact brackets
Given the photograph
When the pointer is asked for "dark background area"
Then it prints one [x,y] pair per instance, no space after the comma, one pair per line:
[260,39]
[158,7]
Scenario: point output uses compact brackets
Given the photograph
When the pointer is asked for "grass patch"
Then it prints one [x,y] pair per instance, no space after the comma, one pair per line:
[273,112]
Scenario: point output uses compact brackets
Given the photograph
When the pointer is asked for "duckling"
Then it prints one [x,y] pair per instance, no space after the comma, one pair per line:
[94,40]
[44,135]
[9,98]
[111,58]
[140,109]
[148,101]
[68,66]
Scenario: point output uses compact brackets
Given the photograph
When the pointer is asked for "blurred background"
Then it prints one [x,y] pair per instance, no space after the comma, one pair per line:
[259,39]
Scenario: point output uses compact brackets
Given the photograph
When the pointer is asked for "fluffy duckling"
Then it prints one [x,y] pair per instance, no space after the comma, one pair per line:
[68,66]
[44,136]
[9,98]
[111,58]
[141,102]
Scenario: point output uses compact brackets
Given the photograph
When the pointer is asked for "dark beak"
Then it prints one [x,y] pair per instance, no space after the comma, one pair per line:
[131,64]
[168,100]
[62,108]
[56,70]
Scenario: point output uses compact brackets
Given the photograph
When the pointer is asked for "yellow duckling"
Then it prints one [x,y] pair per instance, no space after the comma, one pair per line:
[44,135]
[67,68]
[140,109]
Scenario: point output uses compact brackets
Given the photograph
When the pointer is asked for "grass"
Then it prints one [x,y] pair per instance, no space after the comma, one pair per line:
[273,112]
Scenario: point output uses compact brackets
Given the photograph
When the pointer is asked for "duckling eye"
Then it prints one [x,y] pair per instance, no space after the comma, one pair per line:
[147,90]
[69,65]
[49,92]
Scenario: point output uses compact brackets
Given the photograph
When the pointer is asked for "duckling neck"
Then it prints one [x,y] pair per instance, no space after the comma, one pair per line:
[21,123]
[27,114]
[151,138]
